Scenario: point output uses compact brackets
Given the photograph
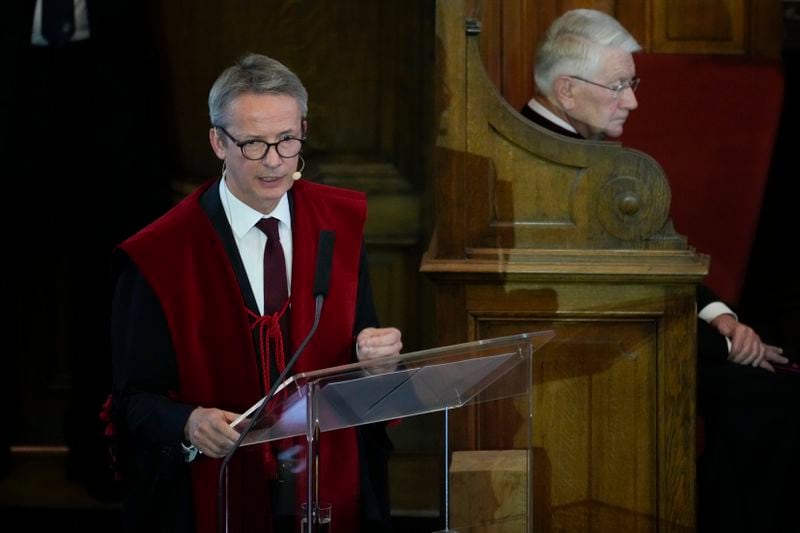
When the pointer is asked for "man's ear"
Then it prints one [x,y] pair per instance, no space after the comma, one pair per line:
[563,92]
[216,143]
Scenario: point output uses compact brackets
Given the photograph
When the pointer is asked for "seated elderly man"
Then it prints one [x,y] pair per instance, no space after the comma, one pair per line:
[586,81]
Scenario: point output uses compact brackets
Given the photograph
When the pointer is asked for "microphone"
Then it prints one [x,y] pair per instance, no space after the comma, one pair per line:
[297,174]
[322,278]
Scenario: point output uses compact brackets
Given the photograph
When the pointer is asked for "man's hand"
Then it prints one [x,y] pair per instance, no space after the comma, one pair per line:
[746,346]
[210,432]
[372,343]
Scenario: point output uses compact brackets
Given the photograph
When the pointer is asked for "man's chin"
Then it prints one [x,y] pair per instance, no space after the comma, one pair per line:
[610,131]
[615,128]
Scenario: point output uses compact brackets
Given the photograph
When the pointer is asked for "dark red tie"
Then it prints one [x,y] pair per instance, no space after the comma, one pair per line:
[275,289]
[276,292]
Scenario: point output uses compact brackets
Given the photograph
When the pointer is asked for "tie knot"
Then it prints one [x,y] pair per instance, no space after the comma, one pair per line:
[270,227]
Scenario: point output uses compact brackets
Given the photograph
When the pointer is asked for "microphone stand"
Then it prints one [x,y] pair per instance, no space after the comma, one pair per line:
[223,469]
[321,284]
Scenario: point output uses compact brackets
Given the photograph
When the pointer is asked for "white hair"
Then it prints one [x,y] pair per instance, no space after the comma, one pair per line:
[576,43]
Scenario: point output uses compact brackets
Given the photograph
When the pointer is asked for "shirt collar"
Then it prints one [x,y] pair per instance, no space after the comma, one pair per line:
[549,115]
[242,217]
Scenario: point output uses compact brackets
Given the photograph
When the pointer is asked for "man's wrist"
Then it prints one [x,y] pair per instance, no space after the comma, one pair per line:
[715,310]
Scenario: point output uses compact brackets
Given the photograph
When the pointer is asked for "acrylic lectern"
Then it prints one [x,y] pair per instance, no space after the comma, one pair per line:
[495,372]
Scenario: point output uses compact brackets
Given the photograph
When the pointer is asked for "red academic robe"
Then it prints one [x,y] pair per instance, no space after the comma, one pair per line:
[184,262]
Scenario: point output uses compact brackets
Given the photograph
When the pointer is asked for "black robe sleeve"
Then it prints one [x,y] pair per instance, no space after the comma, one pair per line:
[149,424]
[145,372]
[705,296]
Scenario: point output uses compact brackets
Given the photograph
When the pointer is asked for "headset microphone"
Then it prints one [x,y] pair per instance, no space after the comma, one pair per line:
[299,172]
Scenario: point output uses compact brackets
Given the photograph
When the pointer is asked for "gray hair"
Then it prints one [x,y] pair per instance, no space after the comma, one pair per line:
[575,45]
[254,74]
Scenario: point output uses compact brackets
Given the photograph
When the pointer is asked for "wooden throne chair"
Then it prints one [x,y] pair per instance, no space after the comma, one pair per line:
[535,231]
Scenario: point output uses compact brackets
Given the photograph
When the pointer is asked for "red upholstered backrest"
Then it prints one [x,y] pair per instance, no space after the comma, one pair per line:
[711,122]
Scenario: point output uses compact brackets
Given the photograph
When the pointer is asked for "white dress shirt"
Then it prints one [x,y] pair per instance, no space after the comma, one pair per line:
[251,241]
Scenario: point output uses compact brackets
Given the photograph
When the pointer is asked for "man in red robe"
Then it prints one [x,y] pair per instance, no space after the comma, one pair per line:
[195,342]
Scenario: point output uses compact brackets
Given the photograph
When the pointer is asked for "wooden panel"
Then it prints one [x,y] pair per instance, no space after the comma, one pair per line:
[595,406]
[392,272]
[490,15]
[490,489]
[711,21]
[593,413]
[601,518]
[766,28]
[677,385]
[716,26]
[517,53]
[613,423]
[637,17]
[449,160]
[610,443]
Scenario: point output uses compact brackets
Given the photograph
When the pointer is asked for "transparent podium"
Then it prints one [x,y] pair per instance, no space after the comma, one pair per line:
[495,373]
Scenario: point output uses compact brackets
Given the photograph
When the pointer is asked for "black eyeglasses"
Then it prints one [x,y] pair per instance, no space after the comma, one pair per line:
[616,88]
[256,149]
